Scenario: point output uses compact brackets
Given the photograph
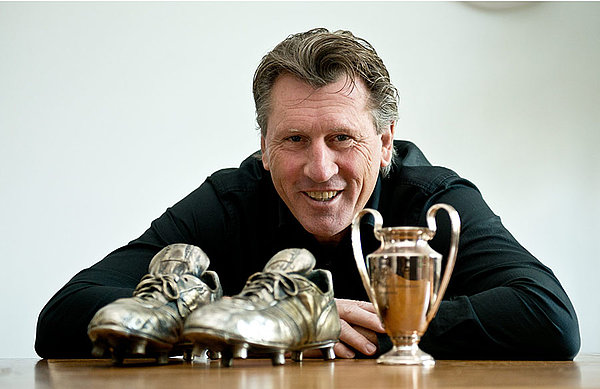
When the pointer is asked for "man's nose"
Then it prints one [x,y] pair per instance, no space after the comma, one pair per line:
[321,163]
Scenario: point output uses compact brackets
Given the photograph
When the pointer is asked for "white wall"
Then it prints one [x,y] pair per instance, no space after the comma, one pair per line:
[111,112]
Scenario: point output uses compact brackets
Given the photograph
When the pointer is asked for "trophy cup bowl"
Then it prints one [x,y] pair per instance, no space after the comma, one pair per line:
[403,279]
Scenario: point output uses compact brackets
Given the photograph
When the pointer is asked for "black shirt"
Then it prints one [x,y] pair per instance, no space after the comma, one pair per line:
[501,303]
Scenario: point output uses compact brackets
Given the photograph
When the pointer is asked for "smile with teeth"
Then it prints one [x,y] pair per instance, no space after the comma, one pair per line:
[323,195]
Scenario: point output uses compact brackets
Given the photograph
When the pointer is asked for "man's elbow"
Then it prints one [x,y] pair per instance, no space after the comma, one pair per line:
[563,341]
[54,340]
[567,342]
[43,337]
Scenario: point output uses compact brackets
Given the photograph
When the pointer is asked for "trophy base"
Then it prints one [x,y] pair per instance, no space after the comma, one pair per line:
[406,355]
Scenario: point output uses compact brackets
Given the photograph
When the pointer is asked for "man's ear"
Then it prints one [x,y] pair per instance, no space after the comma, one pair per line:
[387,145]
[263,150]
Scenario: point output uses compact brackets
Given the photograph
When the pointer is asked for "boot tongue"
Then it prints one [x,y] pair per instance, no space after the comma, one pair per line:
[299,261]
[180,259]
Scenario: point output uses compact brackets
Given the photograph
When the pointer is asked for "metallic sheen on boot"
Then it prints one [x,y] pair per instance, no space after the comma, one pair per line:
[151,322]
[287,307]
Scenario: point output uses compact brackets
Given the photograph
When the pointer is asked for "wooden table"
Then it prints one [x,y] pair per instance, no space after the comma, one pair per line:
[584,372]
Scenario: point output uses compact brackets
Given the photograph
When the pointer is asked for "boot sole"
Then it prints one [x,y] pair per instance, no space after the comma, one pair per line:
[234,347]
[122,343]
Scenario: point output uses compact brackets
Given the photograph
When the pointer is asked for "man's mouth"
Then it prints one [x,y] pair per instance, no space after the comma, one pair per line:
[323,195]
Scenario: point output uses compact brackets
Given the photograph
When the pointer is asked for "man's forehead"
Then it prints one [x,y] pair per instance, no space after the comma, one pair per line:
[295,103]
[291,89]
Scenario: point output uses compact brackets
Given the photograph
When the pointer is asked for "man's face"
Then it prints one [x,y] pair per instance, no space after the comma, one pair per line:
[323,152]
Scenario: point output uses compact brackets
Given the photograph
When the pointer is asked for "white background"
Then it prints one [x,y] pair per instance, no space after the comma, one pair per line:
[112,112]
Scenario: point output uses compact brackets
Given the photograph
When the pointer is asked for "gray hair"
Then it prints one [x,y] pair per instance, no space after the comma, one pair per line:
[319,57]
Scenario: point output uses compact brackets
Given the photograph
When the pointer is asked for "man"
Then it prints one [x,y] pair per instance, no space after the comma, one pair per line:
[326,110]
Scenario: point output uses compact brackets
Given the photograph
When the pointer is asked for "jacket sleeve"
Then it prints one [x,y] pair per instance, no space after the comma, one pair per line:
[62,325]
[502,303]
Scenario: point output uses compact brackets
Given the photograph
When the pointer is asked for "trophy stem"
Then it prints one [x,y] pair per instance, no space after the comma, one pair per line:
[406,351]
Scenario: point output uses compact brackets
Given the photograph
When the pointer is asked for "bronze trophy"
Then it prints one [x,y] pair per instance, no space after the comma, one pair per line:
[403,281]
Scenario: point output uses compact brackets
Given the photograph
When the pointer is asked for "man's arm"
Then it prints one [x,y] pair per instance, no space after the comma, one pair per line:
[502,303]
[62,324]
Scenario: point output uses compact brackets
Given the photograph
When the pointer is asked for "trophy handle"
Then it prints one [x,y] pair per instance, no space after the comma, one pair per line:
[455,233]
[358,253]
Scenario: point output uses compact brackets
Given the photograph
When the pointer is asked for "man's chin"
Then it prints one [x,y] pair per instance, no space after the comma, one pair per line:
[331,236]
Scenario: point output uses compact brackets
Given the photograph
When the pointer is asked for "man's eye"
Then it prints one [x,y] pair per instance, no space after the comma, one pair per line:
[342,138]
[295,138]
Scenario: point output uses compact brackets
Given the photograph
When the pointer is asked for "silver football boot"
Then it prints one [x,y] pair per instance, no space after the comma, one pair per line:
[286,307]
[150,323]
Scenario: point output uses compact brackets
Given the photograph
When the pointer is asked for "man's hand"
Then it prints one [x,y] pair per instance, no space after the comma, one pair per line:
[360,326]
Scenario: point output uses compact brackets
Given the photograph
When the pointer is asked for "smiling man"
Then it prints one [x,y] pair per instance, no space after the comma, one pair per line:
[326,110]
